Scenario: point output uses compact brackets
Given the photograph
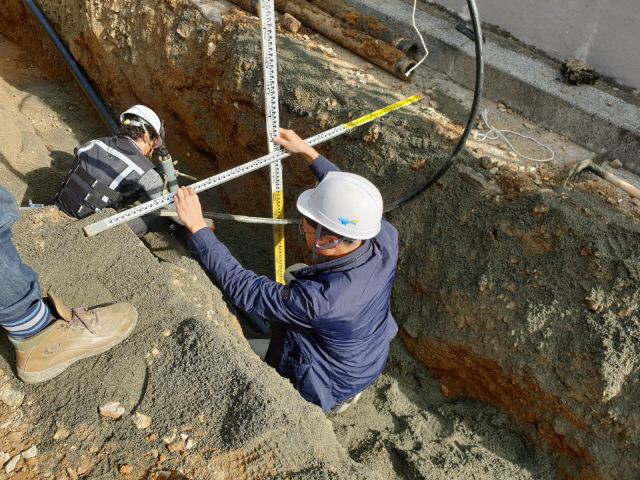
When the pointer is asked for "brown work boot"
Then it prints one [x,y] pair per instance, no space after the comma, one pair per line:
[81,333]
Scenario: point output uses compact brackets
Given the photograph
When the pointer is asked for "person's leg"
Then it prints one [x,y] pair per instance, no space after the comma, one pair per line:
[22,312]
[150,223]
[79,333]
[342,406]
[45,349]
[259,346]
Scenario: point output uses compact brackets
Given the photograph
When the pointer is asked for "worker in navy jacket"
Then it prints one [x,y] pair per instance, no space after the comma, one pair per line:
[332,323]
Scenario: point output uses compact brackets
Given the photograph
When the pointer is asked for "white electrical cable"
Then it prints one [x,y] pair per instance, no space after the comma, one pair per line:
[495,134]
[426,51]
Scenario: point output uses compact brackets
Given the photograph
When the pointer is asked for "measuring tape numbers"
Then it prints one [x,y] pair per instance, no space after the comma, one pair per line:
[207,183]
[270,71]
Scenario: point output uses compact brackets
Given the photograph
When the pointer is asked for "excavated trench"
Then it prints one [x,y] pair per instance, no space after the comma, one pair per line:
[518,296]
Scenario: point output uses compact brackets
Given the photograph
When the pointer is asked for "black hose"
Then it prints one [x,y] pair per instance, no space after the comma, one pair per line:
[75,69]
[477,28]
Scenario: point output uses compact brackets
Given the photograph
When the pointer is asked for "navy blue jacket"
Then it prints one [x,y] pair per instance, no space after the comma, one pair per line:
[332,325]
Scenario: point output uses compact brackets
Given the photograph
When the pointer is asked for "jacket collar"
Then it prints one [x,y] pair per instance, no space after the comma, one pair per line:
[355,258]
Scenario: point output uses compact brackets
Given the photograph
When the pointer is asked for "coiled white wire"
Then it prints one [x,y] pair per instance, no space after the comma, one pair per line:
[495,134]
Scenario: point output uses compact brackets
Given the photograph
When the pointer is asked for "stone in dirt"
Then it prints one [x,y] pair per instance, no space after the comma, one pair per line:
[30,453]
[10,396]
[141,421]
[112,410]
[291,23]
[61,433]
[11,464]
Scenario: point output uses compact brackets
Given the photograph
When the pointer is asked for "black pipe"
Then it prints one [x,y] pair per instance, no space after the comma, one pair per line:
[477,27]
[75,69]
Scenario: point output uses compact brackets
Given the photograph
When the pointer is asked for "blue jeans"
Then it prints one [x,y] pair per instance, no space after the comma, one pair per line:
[19,286]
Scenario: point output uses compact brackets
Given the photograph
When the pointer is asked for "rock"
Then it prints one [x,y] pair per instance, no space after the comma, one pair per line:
[112,410]
[540,210]
[413,324]
[486,162]
[4,458]
[125,469]
[30,453]
[616,164]
[11,397]
[14,437]
[477,180]
[418,165]
[11,465]
[372,134]
[291,23]
[577,72]
[61,433]
[166,333]
[141,421]
[86,464]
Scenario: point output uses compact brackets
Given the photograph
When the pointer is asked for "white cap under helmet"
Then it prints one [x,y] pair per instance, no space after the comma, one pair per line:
[149,116]
[346,204]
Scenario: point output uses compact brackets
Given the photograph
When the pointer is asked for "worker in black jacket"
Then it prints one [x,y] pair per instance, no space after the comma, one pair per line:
[114,172]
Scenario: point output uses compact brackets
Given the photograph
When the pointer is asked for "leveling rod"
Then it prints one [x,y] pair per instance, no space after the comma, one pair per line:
[238,171]
[270,72]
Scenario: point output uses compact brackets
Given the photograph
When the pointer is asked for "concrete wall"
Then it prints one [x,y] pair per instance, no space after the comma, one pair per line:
[603,33]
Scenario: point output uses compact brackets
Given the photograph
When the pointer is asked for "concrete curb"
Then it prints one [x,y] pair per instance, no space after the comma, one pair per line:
[587,115]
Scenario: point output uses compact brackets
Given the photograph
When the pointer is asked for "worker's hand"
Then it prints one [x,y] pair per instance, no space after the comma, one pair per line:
[189,209]
[294,144]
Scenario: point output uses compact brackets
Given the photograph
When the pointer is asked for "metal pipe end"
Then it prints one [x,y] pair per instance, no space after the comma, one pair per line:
[403,66]
[409,48]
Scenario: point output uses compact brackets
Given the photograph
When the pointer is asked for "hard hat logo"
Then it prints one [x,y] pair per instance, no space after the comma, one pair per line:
[345,221]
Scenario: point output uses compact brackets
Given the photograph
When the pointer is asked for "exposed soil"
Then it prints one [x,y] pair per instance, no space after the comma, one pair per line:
[519,295]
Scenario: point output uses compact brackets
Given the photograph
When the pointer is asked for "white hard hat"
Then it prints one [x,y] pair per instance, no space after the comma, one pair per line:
[149,116]
[346,204]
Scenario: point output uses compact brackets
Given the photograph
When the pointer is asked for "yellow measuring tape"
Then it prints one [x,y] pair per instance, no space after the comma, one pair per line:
[278,234]
[382,111]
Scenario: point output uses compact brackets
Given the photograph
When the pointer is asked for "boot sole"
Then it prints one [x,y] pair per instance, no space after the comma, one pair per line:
[48,374]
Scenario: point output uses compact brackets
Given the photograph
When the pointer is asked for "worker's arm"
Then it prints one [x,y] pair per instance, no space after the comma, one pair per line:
[318,164]
[246,289]
[152,183]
